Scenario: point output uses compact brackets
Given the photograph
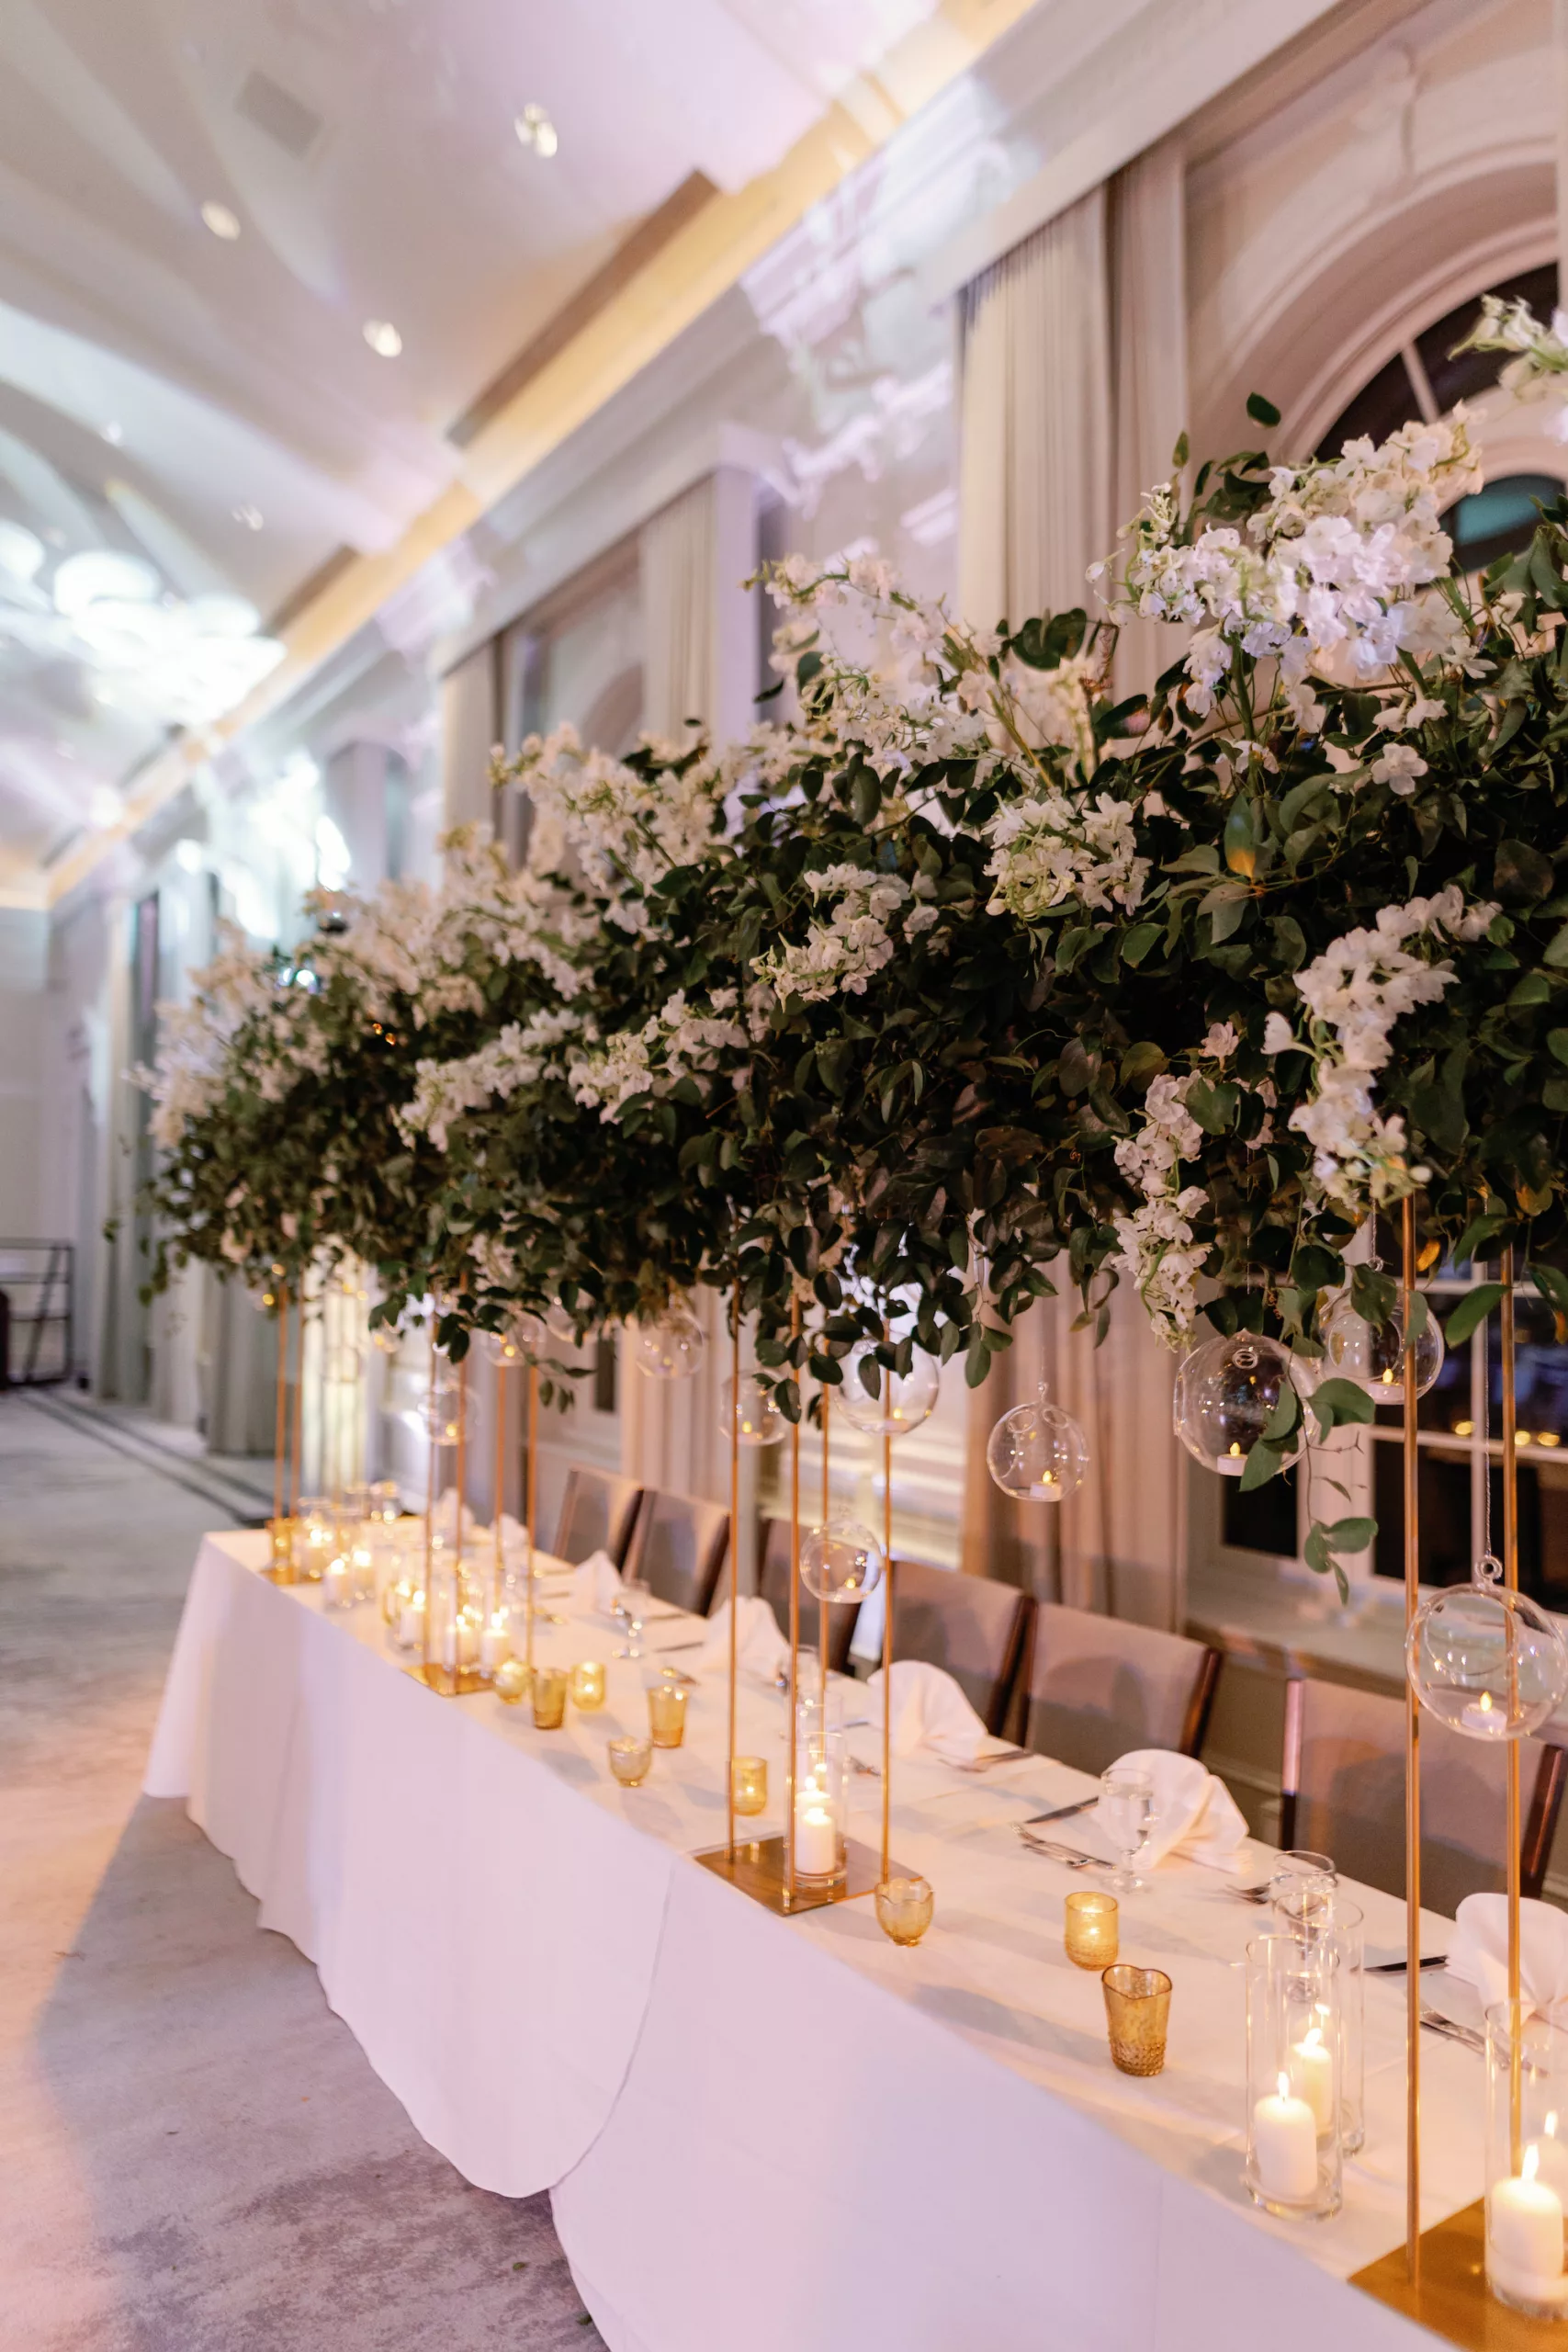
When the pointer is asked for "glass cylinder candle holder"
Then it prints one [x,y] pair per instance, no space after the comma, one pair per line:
[904,1908]
[338,1581]
[318,1526]
[511,1682]
[1090,1930]
[496,1642]
[1293,2062]
[549,1697]
[1527,2162]
[386,1503]
[1347,1929]
[821,1796]
[667,1714]
[629,1761]
[281,1536]
[403,1608]
[1137,2012]
[455,1630]
[588,1685]
[364,1559]
[748,1784]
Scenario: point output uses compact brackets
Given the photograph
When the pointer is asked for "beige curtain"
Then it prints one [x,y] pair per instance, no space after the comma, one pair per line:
[470,725]
[1073,384]
[676,556]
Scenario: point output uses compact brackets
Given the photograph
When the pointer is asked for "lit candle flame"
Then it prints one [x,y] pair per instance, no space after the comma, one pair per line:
[1532,2161]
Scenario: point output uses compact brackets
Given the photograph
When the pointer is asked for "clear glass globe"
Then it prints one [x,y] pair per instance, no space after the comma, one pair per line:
[672,1347]
[1037,1452]
[1374,1355]
[1486,1662]
[386,1339]
[901,1400]
[761,1423]
[438,1411]
[840,1562]
[1227,1390]
[521,1339]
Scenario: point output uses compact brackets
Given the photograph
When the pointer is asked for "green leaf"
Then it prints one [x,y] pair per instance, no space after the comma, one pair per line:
[1141,1063]
[1264,1462]
[1552,1283]
[1520,872]
[1139,940]
[1260,411]
[1472,1312]
[1556,955]
[1338,1404]
[1350,1535]
[1557,1043]
[1476,1234]
[1286,1417]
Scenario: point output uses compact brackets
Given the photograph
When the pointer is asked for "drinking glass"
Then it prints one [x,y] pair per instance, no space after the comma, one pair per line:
[1126,1807]
[1301,1888]
[631,1608]
[1137,2009]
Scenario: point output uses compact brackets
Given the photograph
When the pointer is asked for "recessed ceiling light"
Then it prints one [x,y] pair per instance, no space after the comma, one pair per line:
[536,130]
[251,516]
[114,434]
[221,221]
[383,338]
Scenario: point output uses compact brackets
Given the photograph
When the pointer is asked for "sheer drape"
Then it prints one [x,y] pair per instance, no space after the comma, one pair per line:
[676,556]
[1074,380]
[470,727]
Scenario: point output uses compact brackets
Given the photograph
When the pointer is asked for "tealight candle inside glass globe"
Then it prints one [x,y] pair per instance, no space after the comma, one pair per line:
[840,1562]
[386,1339]
[759,1421]
[437,1412]
[897,1401]
[670,1348]
[1373,1354]
[1037,1452]
[1487,1662]
[520,1341]
[1226,1392]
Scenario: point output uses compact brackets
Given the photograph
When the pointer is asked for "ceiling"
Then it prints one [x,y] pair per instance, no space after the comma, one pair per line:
[205,409]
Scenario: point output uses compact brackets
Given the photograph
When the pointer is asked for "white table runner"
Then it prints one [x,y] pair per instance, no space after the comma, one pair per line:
[762,2135]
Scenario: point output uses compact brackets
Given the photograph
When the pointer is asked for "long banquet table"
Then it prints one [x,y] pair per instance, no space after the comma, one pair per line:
[762,2135]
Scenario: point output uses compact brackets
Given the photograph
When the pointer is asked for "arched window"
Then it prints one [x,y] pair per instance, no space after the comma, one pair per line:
[1424,379]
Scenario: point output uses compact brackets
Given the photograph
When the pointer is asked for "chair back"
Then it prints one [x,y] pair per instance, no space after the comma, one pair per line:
[1343,1780]
[597,1515]
[772,1583]
[678,1548]
[1098,1687]
[971,1626]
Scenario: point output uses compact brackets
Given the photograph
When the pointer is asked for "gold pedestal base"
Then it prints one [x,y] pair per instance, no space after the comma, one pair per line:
[1452,2299]
[759,1866]
[449,1683]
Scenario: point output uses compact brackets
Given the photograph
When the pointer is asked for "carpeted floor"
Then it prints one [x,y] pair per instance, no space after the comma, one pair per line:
[194,2155]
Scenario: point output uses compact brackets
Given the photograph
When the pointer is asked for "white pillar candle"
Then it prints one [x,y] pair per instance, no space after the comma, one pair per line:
[411,1623]
[1284,2140]
[460,1641]
[1524,2236]
[337,1583]
[815,1838]
[495,1643]
[1311,2075]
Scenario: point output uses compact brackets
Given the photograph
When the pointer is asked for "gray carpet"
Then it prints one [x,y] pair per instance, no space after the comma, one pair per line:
[194,2155]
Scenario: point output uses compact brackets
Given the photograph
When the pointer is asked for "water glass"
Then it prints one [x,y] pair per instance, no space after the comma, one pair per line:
[1301,1888]
[1127,1809]
[631,1608]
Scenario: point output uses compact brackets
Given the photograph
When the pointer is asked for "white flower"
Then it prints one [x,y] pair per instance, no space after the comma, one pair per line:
[1058,849]
[1279,1037]
[1220,1042]
[1398,765]
[846,952]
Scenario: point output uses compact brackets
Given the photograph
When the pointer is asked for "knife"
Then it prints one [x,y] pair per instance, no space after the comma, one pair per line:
[1060,1812]
[1395,1967]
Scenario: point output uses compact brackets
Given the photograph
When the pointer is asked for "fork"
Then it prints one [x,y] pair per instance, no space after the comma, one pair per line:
[1251,1894]
[1437,2022]
[1068,1855]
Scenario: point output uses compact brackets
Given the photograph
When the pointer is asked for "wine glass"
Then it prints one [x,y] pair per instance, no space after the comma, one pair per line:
[631,1608]
[1126,1808]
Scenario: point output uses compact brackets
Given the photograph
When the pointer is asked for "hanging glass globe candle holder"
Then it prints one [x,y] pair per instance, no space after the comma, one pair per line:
[438,1413]
[520,1341]
[900,1401]
[1037,1452]
[386,1339]
[1226,1393]
[840,1562]
[1487,1661]
[759,1421]
[670,1348]
[1373,1354]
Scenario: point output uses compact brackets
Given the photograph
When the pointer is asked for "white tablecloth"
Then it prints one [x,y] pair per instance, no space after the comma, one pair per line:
[760,2135]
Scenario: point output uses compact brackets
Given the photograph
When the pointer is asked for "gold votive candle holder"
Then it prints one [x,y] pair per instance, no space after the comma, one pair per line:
[511,1682]
[749,1783]
[667,1714]
[281,1534]
[1090,1930]
[904,1907]
[1137,2010]
[629,1761]
[588,1685]
[549,1697]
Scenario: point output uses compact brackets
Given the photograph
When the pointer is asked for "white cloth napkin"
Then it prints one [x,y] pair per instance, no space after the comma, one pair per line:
[1478,1953]
[446,1512]
[1194,1816]
[760,1647]
[596,1583]
[930,1713]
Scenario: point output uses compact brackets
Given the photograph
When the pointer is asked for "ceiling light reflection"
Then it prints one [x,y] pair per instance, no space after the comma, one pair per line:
[221,220]
[251,516]
[535,130]
[383,338]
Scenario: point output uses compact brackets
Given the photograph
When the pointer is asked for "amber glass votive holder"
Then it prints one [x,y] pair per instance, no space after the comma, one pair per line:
[281,1534]
[1089,1931]
[588,1685]
[549,1697]
[749,1783]
[667,1714]
[904,1907]
[1137,2009]
[629,1761]
[511,1682]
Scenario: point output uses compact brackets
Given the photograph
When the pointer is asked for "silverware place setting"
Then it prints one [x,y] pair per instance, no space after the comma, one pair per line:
[1068,1855]
[1436,2023]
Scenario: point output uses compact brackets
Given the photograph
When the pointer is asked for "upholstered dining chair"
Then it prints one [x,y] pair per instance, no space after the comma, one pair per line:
[678,1548]
[597,1513]
[1096,1687]
[773,1585]
[971,1626]
[1342,1781]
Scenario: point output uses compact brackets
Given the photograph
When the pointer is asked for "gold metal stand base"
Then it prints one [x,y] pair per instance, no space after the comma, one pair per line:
[1452,2299]
[447,1684]
[759,1870]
